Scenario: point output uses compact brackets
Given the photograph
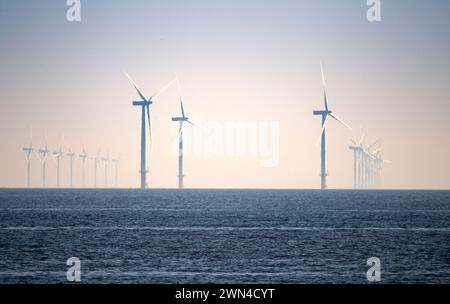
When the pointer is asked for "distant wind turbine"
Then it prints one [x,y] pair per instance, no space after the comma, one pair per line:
[145,103]
[325,114]
[58,155]
[29,151]
[116,162]
[96,161]
[357,149]
[83,157]
[181,120]
[106,159]
[71,156]
[43,159]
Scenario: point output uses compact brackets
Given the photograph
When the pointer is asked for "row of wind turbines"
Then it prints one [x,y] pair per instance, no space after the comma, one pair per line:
[367,164]
[58,156]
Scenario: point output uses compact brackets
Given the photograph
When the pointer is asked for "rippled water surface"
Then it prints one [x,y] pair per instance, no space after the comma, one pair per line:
[224,236]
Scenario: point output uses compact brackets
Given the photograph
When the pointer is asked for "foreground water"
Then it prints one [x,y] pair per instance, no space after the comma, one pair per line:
[224,236]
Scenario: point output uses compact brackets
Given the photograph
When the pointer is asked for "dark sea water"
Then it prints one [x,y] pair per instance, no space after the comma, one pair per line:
[224,236]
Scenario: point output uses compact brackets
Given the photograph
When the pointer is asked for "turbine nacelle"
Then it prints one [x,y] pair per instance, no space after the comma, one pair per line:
[325,112]
[142,103]
[180,119]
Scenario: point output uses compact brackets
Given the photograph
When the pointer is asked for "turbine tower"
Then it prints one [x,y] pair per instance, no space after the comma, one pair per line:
[116,162]
[145,103]
[357,149]
[96,161]
[181,120]
[44,153]
[106,160]
[29,151]
[325,114]
[58,155]
[83,157]
[71,156]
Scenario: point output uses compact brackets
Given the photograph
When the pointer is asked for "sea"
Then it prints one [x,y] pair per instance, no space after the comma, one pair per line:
[224,236]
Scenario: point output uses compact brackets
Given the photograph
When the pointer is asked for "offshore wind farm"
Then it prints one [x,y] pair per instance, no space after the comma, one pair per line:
[367,164]
[224,142]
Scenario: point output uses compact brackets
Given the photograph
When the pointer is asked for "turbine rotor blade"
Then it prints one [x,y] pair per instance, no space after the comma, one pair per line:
[340,120]
[324,84]
[374,144]
[194,124]
[323,130]
[164,88]
[141,94]
[180,132]
[182,108]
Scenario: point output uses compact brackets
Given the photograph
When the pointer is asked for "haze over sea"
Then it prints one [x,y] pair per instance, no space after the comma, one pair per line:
[224,236]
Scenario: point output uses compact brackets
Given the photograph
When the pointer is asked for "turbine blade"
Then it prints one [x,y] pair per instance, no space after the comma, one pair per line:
[340,120]
[180,131]
[38,156]
[164,88]
[374,144]
[194,124]
[182,108]
[321,132]
[361,139]
[141,94]
[324,84]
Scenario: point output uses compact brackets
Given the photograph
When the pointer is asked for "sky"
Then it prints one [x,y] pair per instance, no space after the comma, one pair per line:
[248,62]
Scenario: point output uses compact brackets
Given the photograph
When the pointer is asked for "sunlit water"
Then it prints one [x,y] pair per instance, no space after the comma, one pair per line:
[224,236]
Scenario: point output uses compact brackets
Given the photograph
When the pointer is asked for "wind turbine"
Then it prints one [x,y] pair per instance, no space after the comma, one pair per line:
[58,155]
[378,164]
[96,161]
[368,165]
[29,151]
[71,156]
[325,114]
[106,160]
[358,150]
[83,157]
[116,162]
[145,103]
[44,153]
[181,120]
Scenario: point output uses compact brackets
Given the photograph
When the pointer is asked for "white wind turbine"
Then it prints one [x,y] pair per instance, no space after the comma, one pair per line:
[71,156]
[83,157]
[145,103]
[181,120]
[96,162]
[116,162]
[106,159]
[44,152]
[325,114]
[29,151]
[58,156]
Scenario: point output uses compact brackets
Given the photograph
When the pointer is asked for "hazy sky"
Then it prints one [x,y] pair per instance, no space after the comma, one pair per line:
[238,61]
